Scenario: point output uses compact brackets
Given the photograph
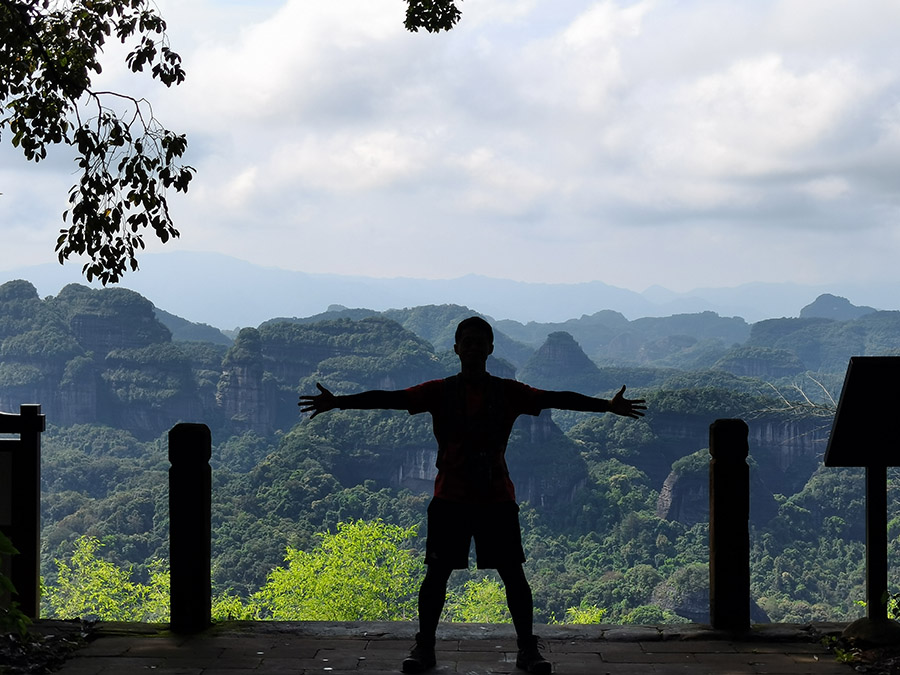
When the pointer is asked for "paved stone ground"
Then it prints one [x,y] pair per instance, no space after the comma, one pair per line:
[470,649]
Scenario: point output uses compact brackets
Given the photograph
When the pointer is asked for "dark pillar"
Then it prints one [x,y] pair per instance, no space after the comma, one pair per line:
[21,512]
[875,627]
[876,543]
[190,494]
[729,530]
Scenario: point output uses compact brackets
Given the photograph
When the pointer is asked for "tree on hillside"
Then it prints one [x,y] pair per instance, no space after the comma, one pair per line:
[479,601]
[362,572]
[89,587]
[49,54]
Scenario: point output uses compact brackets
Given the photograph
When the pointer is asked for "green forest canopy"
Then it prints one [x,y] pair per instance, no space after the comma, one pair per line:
[600,537]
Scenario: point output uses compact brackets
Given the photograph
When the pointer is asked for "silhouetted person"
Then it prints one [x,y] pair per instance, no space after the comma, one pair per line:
[473,414]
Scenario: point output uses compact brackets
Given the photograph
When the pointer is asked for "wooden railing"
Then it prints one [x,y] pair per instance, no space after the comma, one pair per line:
[190,508]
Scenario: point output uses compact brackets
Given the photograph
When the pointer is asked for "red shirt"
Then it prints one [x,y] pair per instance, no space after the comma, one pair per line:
[472,422]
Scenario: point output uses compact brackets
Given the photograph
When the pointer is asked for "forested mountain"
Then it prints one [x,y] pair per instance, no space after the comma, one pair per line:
[614,510]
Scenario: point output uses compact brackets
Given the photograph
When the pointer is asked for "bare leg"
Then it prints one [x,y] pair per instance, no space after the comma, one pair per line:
[432,595]
[518,598]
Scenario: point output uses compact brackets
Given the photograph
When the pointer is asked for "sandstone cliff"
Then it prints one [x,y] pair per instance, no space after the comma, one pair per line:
[245,393]
[92,356]
[543,464]
[783,456]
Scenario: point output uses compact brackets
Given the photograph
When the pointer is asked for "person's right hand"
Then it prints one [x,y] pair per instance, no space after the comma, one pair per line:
[321,402]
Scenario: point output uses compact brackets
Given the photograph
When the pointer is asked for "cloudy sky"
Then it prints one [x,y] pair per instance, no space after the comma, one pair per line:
[681,143]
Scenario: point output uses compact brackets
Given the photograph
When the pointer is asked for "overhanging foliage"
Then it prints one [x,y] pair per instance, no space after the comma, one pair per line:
[127,161]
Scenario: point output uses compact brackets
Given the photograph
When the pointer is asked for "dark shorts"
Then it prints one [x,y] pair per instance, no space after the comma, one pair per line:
[494,527]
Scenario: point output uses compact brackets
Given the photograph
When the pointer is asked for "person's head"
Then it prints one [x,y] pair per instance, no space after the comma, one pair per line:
[474,343]
[474,323]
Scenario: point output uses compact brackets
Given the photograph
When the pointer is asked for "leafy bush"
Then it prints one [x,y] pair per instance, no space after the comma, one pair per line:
[88,587]
[359,573]
[12,619]
[479,601]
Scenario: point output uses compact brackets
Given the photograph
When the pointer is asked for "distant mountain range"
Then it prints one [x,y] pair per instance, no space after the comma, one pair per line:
[227,293]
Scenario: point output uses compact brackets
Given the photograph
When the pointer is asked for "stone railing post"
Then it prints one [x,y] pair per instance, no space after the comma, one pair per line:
[729,528]
[190,497]
[20,503]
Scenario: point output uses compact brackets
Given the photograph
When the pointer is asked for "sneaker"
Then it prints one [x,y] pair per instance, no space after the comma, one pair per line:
[421,656]
[529,657]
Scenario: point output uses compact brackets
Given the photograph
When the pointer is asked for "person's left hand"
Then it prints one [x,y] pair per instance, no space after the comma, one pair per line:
[625,406]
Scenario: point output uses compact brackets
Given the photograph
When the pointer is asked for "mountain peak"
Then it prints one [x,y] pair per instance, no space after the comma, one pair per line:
[559,359]
[828,306]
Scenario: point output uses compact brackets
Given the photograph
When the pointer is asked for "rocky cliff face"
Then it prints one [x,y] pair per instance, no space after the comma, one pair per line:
[684,497]
[787,452]
[80,393]
[246,394]
[534,445]
[108,319]
[92,356]
[102,356]
[417,471]
[759,362]
[686,594]
[64,400]
[783,456]
[265,367]
[246,398]
[545,466]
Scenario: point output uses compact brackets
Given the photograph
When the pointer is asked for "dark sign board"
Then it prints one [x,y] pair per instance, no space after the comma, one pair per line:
[865,428]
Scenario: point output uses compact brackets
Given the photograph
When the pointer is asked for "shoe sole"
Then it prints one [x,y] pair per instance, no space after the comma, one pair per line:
[543,670]
[415,667]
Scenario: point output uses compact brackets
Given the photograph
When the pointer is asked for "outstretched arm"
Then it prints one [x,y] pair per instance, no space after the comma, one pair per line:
[570,400]
[374,399]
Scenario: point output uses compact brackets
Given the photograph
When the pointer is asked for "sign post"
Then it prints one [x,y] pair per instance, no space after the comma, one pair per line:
[863,428]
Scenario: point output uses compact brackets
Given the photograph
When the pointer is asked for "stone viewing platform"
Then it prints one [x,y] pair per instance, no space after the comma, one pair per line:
[332,648]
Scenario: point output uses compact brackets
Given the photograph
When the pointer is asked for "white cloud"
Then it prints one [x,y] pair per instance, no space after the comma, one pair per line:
[499,185]
[302,57]
[580,66]
[479,13]
[349,162]
[242,188]
[826,188]
[741,137]
[540,139]
[759,116]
